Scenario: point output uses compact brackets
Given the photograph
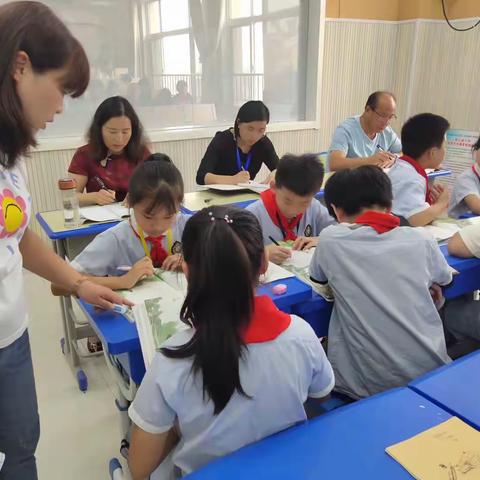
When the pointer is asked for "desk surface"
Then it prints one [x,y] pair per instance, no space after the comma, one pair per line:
[348,443]
[455,388]
[195,201]
[52,224]
[469,278]
[121,336]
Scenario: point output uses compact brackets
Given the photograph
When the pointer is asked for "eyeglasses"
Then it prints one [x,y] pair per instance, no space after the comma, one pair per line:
[385,117]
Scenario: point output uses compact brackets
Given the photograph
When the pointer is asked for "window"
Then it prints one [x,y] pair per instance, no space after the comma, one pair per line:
[193,63]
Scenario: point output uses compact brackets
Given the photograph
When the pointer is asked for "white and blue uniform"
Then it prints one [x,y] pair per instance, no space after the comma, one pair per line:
[409,190]
[384,330]
[313,221]
[467,183]
[119,246]
[278,376]
[350,138]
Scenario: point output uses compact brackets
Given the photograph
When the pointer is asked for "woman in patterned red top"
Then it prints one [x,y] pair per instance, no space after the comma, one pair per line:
[116,145]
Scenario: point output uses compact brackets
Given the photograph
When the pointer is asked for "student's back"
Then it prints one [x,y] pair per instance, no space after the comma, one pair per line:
[385,329]
[277,375]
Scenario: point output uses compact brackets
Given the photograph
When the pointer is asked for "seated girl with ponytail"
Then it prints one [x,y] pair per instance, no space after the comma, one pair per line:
[240,373]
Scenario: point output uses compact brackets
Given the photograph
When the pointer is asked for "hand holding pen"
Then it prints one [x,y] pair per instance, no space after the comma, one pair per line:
[384,159]
[104,196]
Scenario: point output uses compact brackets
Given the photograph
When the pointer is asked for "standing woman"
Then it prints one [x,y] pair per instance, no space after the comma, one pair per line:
[116,145]
[40,62]
[236,155]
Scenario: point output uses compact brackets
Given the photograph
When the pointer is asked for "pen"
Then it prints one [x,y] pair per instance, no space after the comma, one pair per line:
[100,182]
[380,148]
[274,241]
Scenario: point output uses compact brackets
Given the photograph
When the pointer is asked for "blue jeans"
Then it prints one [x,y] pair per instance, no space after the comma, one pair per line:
[19,422]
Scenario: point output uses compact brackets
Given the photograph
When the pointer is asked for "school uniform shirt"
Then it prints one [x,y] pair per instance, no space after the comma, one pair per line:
[313,221]
[15,211]
[467,183]
[409,190]
[384,330]
[119,246]
[350,138]
[221,157]
[115,174]
[278,375]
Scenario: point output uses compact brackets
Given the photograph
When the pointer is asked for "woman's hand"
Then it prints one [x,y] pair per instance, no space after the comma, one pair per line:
[241,177]
[304,243]
[102,197]
[101,296]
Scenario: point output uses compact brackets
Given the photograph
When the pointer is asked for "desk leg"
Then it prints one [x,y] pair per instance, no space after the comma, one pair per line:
[59,248]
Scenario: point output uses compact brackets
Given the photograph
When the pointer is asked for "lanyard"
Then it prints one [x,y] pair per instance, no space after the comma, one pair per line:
[239,161]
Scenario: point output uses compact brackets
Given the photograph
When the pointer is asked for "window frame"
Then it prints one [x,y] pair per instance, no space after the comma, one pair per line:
[313,83]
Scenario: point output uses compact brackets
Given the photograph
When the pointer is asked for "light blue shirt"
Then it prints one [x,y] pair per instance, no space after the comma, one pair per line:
[385,329]
[350,138]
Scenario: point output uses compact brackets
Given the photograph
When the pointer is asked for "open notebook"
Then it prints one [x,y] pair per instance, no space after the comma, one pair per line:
[104,213]
[444,228]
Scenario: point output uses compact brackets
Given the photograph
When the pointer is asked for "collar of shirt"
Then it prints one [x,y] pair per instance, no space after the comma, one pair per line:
[267,321]
[381,222]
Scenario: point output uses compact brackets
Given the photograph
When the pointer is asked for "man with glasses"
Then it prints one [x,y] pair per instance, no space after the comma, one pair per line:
[367,139]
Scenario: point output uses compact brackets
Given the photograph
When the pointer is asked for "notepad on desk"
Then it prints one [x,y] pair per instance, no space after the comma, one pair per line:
[449,451]
[255,187]
[105,213]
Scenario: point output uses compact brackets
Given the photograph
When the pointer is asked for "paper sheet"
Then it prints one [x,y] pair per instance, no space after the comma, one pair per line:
[226,187]
[255,186]
[300,258]
[449,451]
[275,272]
[98,213]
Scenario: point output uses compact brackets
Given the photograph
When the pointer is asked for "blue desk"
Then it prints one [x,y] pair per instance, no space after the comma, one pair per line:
[120,337]
[316,311]
[455,388]
[348,443]
[469,278]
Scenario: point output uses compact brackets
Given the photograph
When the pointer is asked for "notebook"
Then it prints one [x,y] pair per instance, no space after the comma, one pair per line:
[104,213]
[449,451]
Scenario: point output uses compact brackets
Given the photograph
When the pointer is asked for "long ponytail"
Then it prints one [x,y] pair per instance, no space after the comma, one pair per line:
[223,249]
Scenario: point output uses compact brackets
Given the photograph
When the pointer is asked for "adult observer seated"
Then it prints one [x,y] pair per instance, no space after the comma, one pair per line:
[367,139]
[237,154]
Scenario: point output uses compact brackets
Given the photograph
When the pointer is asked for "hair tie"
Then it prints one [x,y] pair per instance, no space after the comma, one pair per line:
[226,218]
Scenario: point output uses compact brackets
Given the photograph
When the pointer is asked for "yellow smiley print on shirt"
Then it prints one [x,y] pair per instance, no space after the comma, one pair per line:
[12,213]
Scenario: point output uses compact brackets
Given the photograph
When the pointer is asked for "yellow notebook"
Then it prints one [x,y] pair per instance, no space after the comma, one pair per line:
[449,451]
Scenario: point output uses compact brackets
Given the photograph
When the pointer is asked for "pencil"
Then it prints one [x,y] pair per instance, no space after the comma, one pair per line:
[274,241]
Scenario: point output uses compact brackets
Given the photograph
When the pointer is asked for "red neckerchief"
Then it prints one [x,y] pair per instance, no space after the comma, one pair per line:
[277,217]
[267,321]
[475,171]
[158,254]
[421,171]
[380,222]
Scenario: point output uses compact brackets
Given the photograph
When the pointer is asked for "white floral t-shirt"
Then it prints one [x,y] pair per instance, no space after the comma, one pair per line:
[15,210]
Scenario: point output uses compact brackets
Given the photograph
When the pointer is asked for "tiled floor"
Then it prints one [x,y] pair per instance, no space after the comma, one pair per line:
[80,432]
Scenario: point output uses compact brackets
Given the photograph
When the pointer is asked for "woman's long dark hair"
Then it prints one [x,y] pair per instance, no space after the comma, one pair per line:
[251,111]
[116,107]
[223,249]
[33,28]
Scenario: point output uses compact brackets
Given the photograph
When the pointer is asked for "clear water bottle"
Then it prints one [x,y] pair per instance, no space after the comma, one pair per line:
[71,210]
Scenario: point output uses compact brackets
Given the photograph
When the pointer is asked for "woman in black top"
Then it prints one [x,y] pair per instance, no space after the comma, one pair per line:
[236,155]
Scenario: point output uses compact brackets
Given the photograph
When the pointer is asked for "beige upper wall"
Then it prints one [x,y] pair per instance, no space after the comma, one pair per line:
[401,9]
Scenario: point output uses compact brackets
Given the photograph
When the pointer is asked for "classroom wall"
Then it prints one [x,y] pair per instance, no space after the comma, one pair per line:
[426,64]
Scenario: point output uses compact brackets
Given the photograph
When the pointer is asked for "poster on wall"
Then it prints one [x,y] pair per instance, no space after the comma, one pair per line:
[459,151]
